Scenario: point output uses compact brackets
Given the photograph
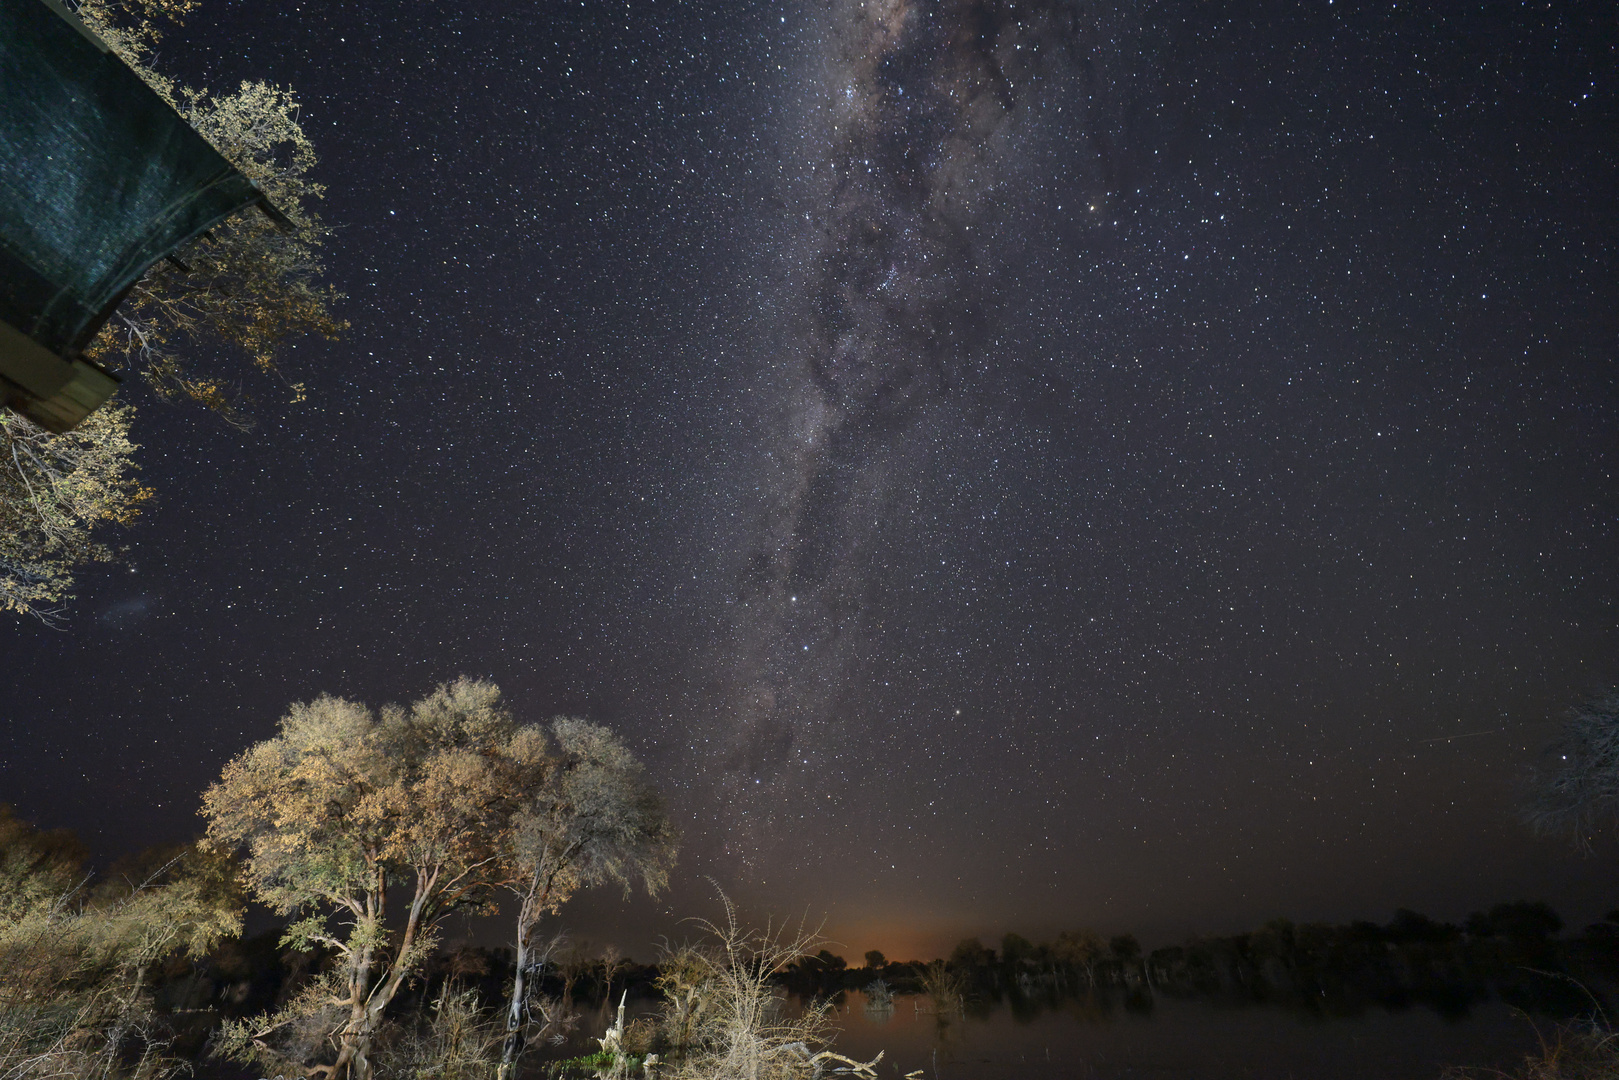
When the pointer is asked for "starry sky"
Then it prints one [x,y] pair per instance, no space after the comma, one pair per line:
[1005,464]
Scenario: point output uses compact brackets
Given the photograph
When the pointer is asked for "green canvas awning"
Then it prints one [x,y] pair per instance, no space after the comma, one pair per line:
[99,179]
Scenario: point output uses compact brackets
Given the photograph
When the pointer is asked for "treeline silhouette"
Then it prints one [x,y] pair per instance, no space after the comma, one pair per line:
[1512,952]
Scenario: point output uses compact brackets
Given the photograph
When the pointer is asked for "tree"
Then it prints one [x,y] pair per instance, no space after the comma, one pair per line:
[1081,949]
[875,960]
[1578,795]
[250,284]
[1125,948]
[35,867]
[55,490]
[1522,920]
[1016,949]
[76,957]
[971,953]
[592,817]
[341,807]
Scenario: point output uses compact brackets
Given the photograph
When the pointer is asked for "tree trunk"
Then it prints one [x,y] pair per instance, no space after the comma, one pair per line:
[366,1017]
[513,1045]
[354,1040]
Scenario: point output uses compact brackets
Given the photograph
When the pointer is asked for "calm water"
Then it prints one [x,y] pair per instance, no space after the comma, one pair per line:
[1188,1040]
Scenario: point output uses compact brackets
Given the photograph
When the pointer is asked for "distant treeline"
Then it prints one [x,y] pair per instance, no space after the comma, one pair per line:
[1511,952]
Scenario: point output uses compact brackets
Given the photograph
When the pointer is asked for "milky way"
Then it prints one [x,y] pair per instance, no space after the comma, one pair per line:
[918,118]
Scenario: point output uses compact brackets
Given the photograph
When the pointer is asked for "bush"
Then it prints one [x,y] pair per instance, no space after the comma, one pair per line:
[1588,1051]
[724,1015]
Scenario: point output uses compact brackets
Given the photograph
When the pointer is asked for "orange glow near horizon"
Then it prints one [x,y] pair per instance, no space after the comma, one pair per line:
[918,939]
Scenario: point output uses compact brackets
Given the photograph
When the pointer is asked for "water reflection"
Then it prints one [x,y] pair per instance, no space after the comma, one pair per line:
[1136,1034]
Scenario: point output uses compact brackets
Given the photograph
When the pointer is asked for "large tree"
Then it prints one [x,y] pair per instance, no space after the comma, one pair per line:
[374,826]
[242,290]
[592,817]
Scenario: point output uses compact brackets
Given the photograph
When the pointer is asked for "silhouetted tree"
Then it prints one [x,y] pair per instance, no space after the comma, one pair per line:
[1409,926]
[1523,921]
[1516,935]
[825,960]
[1125,948]
[1578,794]
[971,953]
[1602,938]
[1015,949]
[875,959]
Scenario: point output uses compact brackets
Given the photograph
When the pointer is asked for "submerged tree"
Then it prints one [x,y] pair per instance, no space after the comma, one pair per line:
[1080,950]
[1578,796]
[724,1013]
[593,818]
[347,809]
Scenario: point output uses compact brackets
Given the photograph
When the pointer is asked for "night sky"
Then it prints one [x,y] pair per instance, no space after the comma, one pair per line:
[1004,465]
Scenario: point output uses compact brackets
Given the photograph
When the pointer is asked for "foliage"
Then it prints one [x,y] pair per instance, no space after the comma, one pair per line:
[879,1000]
[338,810]
[76,963]
[724,1015]
[946,990]
[592,817]
[1578,795]
[1016,949]
[592,1064]
[1579,1051]
[971,953]
[133,29]
[36,868]
[455,1039]
[1125,948]
[1081,950]
[250,283]
[623,1051]
[55,490]
[1519,920]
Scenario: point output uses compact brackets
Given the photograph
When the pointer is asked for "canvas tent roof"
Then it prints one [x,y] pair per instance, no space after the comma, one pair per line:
[99,179]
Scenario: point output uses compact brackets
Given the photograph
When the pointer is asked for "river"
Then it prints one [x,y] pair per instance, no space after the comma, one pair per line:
[1185,1039]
